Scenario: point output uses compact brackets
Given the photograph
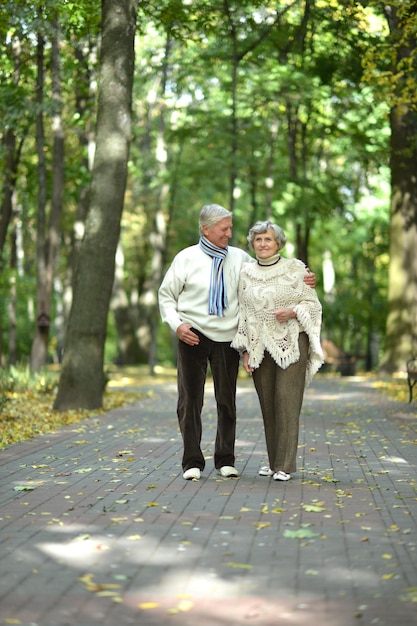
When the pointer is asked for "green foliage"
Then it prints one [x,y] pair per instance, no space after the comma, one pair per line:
[390,61]
[19,379]
[311,140]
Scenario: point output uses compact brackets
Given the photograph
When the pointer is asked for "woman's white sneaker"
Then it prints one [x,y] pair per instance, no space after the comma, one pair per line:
[266,471]
[281,476]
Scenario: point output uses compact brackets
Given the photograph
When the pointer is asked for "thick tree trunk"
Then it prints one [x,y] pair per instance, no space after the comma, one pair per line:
[401,334]
[82,379]
[401,330]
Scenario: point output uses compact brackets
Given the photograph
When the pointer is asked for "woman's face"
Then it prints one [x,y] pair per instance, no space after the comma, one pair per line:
[265,245]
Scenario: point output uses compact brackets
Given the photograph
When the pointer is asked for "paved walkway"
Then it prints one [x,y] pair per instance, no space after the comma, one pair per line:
[97,525]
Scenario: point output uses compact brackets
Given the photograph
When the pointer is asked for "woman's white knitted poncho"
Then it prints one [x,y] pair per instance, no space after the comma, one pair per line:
[262,290]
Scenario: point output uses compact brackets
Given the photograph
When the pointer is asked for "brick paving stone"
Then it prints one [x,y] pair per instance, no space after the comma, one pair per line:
[102,529]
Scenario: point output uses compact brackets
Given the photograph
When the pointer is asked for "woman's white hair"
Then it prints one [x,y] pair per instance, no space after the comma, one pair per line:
[210,214]
[261,227]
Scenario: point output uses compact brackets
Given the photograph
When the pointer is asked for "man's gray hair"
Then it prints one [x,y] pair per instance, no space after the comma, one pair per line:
[261,227]
[210,214]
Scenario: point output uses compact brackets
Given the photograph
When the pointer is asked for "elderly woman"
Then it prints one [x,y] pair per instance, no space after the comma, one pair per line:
[279,339]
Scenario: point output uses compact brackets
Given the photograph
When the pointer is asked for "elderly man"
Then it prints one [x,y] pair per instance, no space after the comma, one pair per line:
[198,300]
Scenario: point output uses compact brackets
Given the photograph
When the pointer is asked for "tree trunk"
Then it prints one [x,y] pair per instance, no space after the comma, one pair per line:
[128,348]
[155,154]
[82,379]
[401,329]
[40,341]
[12,150]
[48,240]
[148,302]
[85,52]
[9,184]
[12,307]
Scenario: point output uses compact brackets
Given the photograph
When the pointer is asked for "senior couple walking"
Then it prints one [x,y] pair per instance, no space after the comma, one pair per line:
[227,307]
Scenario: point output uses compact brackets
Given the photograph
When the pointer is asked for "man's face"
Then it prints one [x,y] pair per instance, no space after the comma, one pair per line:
[220,233]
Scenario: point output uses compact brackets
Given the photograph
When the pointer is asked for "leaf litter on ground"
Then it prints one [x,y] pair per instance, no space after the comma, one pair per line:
[26,407]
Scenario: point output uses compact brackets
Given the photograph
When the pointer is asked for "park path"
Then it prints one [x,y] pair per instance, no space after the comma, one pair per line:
[97,525]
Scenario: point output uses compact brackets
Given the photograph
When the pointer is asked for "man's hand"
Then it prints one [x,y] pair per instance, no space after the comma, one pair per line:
[310,278]
[186,335]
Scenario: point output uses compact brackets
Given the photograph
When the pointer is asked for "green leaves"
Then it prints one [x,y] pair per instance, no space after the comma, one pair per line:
[301,533]
[312,508]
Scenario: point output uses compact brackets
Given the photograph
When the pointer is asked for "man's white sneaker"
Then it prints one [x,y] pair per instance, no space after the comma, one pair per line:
[227,471]
[192,474]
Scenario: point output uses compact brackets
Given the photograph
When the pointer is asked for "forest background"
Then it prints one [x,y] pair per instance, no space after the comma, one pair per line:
[120,120]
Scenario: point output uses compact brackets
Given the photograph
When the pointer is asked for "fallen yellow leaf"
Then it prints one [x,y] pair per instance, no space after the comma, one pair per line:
[108,594]
[90,585]
[260,525]
[145,606]
[183,606]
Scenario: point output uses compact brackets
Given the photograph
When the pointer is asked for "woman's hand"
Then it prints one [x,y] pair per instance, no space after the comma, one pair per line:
[284,314]
[245,363]
[310,278]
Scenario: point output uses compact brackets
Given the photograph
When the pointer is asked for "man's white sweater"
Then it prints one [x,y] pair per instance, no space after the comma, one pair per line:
[184,292]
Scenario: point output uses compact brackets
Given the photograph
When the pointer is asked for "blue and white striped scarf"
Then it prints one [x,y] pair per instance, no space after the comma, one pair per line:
[217,293]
